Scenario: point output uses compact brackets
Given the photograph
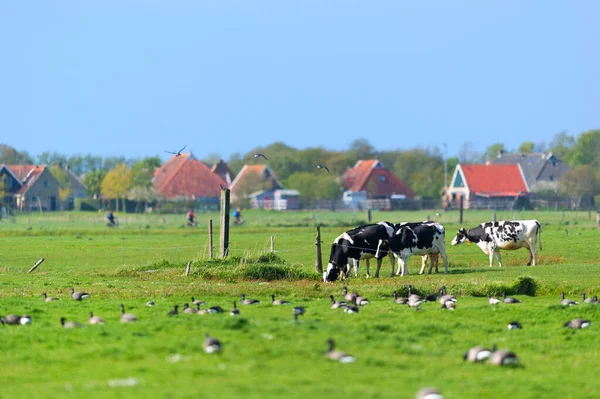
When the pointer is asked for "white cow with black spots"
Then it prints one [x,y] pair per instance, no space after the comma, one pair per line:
[491,237]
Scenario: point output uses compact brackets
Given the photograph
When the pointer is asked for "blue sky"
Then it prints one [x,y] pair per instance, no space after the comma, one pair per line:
[135,78]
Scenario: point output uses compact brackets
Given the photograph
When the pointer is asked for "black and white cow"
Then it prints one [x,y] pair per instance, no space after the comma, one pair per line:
[491,237]
[421,238]
[433,258]
[363,242]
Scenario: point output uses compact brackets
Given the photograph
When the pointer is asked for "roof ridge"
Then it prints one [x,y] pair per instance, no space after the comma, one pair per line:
[177,169]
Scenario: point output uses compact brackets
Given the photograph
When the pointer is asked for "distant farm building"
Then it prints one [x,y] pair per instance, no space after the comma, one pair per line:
[497,186]
[186,178]
[370,181]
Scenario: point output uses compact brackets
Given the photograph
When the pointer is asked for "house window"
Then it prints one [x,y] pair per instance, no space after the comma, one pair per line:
[553,163]
[8,180]
[382,178]
[45,183]
[551,178]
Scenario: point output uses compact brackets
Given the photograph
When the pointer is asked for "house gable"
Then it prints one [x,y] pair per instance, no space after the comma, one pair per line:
[536,167]
[261,173]
[187,177]
[371,176]
[11,183]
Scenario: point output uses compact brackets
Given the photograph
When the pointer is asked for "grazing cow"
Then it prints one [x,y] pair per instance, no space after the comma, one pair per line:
[420,239]
[491,237]
[363,242]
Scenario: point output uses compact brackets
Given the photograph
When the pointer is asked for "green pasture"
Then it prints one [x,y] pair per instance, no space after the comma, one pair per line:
[266,353]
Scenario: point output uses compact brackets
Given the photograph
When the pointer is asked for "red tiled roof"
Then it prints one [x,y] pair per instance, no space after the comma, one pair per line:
[187,176]
[20,171]
[494,179]
[376,181]
[31,176]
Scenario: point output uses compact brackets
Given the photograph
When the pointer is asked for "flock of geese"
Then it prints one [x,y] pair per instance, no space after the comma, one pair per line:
[351,304]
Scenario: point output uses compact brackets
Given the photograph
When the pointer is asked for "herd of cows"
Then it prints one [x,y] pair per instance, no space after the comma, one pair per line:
[426,239]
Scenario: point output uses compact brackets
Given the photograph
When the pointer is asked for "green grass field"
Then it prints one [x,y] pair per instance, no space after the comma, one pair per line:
[266,353]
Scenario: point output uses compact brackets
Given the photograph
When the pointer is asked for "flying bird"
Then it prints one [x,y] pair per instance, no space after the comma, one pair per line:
[323,167]
[178,153]
[258,154]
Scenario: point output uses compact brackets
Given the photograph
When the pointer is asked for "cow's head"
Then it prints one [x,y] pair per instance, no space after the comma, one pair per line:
[461,237]
[331,274]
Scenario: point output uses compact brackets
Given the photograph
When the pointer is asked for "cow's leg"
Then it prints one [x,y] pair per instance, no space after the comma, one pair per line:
[491,251]
[434,259]
[424,264]
[405,259]
[497,253]
[356,267]
[400,270]
[445,259]
[534,254]
[392,263]
[367,263]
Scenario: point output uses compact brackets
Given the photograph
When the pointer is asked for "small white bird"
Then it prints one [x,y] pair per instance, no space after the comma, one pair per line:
[514,325]
[493,301]
[95,319]
[258,154]
[323,167]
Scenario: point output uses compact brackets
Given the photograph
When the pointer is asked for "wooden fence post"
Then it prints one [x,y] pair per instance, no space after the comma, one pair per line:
[494,216]
[39,262]
[460,210]
[369,215]
[319,261]
[188,267]
[210,239]
[224,229]
[272,244]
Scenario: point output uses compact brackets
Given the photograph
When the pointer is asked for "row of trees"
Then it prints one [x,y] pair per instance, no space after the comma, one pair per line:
[421,168]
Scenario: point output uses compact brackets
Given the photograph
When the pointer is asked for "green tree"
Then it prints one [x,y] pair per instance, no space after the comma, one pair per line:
[587,149]
[314,186]
[116,183]
[562,146]
[142,172]
[92,181]
[362,149]
[492,151]
[64,183]
[578,183]
[526,147]
[11,156]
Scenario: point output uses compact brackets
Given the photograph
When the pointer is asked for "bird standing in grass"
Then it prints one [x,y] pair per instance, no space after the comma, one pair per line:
[566,302]
[478,354]
[78,296]
[49,298]
[187,309]
[95,319]
[127,317]
[338,356]
[70,324]
[336,304]
[577,323]
[504,358]
[514,325]
[235,311]
[174,311]
[493,301]
[249,301]
[211,344]
[507,299]
[278,301]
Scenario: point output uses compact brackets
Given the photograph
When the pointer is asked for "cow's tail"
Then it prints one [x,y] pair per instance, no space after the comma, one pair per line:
[539,233]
